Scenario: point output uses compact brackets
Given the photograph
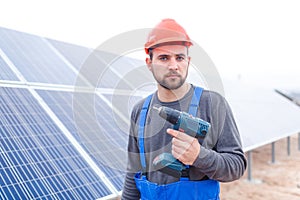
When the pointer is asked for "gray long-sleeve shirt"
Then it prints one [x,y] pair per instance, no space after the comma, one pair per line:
[221,156]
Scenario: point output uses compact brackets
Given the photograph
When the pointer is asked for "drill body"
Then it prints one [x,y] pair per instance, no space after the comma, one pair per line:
[183,122]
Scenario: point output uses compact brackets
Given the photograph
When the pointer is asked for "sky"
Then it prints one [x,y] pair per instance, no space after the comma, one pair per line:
[255,41]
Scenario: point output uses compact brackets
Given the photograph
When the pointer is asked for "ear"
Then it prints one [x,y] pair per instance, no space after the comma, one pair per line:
[188,61]
[149,63]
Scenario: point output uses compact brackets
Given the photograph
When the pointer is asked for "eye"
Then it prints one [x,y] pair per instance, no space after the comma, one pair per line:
[163,58]
[180,58]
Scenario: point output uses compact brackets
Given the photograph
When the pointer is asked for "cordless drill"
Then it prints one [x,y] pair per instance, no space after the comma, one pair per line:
[183,122]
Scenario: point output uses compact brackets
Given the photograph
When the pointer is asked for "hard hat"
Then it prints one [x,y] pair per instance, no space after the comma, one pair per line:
[168,31]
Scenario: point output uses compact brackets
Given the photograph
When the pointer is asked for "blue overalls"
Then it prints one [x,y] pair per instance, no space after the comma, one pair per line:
[182,189]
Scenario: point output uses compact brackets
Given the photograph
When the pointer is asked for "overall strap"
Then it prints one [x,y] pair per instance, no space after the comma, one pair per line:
[192,110]
[194,105]
[195,101]
[142,123]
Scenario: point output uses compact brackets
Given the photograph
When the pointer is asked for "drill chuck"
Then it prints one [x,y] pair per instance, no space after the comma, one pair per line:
[184,122]
[169,114]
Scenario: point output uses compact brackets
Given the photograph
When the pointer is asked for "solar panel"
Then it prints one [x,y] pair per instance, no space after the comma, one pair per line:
[60,103]
[101,134]
[295,94]
[124,104]
[37,160]
[262,115]
[76,55]
[6,72]
[34,58]
[291,94]
[92,131]
[98,132]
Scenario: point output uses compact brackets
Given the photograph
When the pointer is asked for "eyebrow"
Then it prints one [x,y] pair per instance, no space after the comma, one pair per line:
[180,54]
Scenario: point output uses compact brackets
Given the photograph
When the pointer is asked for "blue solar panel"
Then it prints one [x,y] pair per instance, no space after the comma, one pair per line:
[124,104]
[34,58]
[108,79]
[120,71]
[92,131]
[75,54]
[37,160]
[5,72]
[61,104]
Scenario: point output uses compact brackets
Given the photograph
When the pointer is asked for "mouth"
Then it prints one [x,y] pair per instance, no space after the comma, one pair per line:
[172,75]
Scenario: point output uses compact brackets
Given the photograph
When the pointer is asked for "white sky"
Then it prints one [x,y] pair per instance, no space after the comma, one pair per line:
[258,40]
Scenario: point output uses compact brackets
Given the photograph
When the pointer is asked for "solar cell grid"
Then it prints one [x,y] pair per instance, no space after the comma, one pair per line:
[85,126]
[73,53]
[34,59]
[5,72]
[61,104]
[38,161]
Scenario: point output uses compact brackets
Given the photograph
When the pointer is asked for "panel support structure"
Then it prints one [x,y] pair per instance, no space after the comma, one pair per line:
[289,145]
[273,152]
[249,155]
[299,141]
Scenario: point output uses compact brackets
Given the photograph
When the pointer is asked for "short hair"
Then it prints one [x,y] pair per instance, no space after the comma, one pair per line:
[151,52]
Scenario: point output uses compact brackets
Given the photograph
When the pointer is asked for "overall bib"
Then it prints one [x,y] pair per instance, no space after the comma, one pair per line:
[184,188]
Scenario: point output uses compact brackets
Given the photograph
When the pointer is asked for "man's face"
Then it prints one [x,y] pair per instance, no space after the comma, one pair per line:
[169,65]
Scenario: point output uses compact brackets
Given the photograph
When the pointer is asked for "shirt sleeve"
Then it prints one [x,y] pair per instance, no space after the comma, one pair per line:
[221,155]
[130,191]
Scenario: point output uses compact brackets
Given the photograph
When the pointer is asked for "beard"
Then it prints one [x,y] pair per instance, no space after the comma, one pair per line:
[171,83]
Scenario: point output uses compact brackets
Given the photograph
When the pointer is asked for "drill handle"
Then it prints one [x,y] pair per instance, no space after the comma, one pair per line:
[166,163]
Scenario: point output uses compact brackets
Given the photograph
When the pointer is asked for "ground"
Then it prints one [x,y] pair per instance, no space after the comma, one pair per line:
[276,181]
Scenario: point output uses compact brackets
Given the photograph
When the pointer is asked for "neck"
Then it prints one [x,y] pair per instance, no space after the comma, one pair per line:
[166,95]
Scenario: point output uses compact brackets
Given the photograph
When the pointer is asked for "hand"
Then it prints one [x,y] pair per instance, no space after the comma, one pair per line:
[184,147]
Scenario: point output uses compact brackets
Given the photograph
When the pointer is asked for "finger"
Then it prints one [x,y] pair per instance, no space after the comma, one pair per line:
[180,135]
[179,143]
[177,134]
[178,153]
[173,132]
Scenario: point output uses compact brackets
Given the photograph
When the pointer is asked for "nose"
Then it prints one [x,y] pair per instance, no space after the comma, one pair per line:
[173,65]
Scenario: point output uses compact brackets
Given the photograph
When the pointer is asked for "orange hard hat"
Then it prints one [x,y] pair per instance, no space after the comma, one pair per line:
[168,31]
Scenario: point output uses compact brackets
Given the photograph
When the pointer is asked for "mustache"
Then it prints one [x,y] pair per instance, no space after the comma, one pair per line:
[172,73]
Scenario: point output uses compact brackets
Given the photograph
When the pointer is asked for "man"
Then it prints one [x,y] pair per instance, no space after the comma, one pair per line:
[219,157]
